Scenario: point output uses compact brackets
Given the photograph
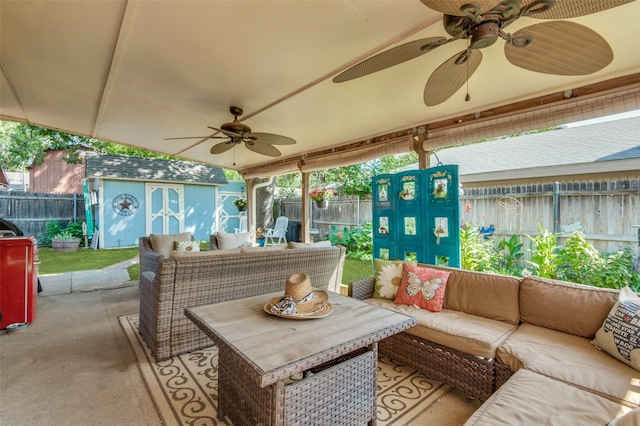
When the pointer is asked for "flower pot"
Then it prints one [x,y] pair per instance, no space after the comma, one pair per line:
[65,244]
[322,204]
[241,208]
[260,242]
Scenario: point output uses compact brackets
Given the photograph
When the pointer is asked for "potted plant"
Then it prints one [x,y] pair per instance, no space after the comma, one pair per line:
[321,196]
[65,241]
[240,203]
[260,233]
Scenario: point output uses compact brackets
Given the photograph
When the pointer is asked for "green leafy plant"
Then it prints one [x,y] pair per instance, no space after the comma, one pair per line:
[54,229]
[544,253]
[618,270]
[240,202]
[358,240]
[578,260]
[476,253]
[582,263]
[510,255]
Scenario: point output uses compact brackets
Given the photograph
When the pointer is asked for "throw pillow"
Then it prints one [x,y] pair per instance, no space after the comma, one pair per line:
[388,275]
[187,245]
[422,287]
[631,418]
[619,336]
[163,244]
[231,241]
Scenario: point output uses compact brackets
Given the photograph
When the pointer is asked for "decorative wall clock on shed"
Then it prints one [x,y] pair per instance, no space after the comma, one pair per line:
[125,204]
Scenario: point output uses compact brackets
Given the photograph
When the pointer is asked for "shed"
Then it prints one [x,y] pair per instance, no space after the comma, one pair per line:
[129,197]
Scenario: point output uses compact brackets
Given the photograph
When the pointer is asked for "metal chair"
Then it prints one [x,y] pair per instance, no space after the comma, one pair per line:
[278,232]
[242,227]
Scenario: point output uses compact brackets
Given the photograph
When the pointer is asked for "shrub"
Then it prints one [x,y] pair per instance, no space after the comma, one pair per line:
[358,241]
[544,253]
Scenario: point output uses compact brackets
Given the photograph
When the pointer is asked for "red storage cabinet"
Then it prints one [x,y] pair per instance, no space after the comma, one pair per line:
[18,280]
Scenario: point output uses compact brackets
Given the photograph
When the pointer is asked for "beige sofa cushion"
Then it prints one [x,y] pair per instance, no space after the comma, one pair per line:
[470,334]
[164,244]
[296,245]
[282,246]
[544,302]
[230,241]
[202,254]
[571,359]
[632,418]
[486,295]
[533,399]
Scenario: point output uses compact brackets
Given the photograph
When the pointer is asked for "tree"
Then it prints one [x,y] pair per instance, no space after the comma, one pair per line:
[23,145]
[354,179]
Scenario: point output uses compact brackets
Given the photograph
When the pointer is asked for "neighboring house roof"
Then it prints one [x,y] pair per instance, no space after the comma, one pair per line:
[608,146]
[155,169]
[14,181]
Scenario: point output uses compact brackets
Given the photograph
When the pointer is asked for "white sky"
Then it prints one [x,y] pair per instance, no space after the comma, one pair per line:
[604,119]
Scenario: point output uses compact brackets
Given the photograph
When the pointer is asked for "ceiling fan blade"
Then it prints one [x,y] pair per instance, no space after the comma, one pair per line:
[222,147]
[271,139]
[196,137]
[572,8]
[263,149]
[226,132]
[452,7]
[389,58]
[449,77]
[560,48]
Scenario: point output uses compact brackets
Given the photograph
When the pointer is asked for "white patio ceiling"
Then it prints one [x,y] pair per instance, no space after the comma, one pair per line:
[137,72]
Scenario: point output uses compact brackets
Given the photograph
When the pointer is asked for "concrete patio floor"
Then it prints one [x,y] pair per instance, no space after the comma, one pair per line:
[74,365]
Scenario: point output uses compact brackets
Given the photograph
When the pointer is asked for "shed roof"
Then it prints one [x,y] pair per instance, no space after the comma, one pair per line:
[156,169]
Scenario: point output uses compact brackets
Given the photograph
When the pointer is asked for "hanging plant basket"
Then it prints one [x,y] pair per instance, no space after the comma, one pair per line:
[241,208]
[322,204]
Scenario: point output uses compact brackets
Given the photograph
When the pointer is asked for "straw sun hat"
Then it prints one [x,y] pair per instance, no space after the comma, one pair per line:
[300,301]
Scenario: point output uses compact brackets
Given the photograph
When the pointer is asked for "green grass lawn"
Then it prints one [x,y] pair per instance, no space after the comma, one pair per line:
[354,269]
[81,260]
[86,259]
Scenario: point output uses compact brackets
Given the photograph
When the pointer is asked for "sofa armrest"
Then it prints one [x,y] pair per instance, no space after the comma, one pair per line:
[361,288]
[148,258]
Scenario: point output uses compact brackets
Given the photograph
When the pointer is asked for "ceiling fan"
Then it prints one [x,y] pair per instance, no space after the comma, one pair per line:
[553,47]
[237,132]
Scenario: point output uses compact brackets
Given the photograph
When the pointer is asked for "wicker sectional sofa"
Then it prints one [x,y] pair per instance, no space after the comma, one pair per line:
[168,285]
[521,345]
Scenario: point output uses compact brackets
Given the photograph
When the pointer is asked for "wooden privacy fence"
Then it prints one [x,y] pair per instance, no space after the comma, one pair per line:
[606,212]
[31,211]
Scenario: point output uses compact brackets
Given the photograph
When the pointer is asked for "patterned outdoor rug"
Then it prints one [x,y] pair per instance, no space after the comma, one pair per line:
[185,388]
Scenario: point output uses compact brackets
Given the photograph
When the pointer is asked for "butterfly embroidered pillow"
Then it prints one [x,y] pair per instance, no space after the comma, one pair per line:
[422,287]
[387,279]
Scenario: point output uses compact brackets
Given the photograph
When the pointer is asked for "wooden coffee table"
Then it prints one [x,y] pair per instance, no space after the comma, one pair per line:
[337,356]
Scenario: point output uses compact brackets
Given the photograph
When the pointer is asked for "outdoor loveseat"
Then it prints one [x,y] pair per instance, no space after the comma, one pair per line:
[521,345]
[173,281]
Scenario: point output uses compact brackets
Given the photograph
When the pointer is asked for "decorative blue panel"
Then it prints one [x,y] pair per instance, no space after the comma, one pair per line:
[416,216]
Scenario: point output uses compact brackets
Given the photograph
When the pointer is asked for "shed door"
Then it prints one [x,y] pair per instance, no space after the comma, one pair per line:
[165,208]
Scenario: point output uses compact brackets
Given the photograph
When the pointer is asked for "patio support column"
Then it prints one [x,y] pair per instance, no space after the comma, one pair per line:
[251,208]
[418,147]
[304,196]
